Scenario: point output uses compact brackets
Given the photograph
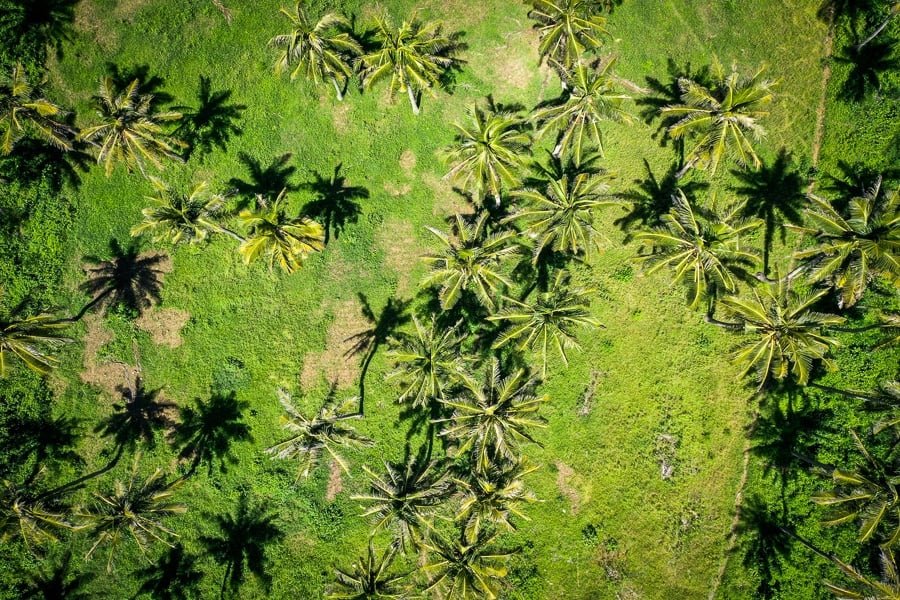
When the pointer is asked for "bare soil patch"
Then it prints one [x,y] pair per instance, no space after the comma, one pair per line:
[332,364]
[446,201]
[335,484]
[127,9]
[397,189]
[564,476]
[89,20]
[398,241]
[408,161]
[109,376]
[164,325]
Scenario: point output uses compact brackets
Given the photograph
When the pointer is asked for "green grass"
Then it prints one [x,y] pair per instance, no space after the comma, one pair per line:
[663,372]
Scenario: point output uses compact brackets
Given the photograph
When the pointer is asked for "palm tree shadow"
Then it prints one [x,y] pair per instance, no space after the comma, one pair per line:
[56,583]
[129,279]
[768,544]
[37,24]
[394,315]
[173,577]
[849,9]
[652,198]
[45,440]
[867,65]
[854,180]
[147,83]
[448,78]
[265,181]
[208,430]
[35,160]
[241,547]
[774,193]
[335,201]
[137,418]
[212,123]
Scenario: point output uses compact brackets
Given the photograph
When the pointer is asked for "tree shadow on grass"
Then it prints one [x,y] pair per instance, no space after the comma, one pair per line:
[212,123]
[57,584]
[129,279]
[208,430]
[37,24]
[46,440]
[335,203]
[147,83]
[173,577]
[266,181]
[241,545]
[137,418]
[867,67]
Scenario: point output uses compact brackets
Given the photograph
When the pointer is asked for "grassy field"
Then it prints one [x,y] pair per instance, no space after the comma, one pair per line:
[608,525]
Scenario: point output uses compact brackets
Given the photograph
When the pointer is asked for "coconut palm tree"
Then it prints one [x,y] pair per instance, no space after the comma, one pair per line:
[324,432]
[320,50]
[470,262]
[369,578]
[405,498]
[487,156]
[416,56]
[786,335]
[568,28]
[560,203]
[207,431]
[428,363]
[26,339]
[593,95]
[721,118]
[25,517]
[887,588]
[493,498]
[466,570]
[284,240]
[134,509]
[23,111]
[868,495]
[492,418]
[548,321]
[178,218]
[131,130]
[130,279]
[856,245]
[703,250]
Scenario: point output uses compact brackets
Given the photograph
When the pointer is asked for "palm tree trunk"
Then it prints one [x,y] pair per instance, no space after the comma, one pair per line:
[337,88]
[231,234]
[877,31]
[412,99]
[225,579]
[557,150]
[687,167]
[787,278]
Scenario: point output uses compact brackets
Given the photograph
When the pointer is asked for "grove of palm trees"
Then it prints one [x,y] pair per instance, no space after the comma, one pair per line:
[451,299]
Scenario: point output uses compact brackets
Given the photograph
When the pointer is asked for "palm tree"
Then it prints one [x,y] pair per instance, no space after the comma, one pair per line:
[855,247]
[309,437]
[886,398]
[560,206]
[130,279]
[173,577]
[887,588]
[134,509]
[593,95]
[704,251]
[547,322]
[428,362]
[207,432]
[321,50]
[470,262]
[786,334]
[23,339]
[22,111]
[137,418]
[286,240]
[405,497]
[466,570]
[416,56]
[494,417]
[25,517]
[487,156]
[242,545]
[131,130]
[568,28]
[720,117]
[493,498]
[868,495]
[183,218]
[369,578]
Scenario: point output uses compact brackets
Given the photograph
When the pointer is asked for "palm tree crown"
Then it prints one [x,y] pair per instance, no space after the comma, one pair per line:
[703,250]
[24,339]
[593,95]
[568,28]
[181,218]
[131,130]
[22,111]
[549,321]
[415,56]
[286,241]
[24,517]
[493,498]
[488,155]
[721,117]
[466,570]
[369,578]
[320,50]
[854,247]
[470,262]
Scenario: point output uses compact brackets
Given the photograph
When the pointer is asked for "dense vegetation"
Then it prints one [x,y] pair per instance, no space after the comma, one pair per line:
[467,300]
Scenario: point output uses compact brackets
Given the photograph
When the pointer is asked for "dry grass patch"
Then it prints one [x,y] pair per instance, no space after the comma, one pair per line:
[164,325]
[408,161]
[332,364]
[564,476]
[401,251]
[446,201]
[397,189]
[127,9]
[109,376]
[89,20]
[335,483]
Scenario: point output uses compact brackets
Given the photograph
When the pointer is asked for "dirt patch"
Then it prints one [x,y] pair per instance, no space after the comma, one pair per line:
[564,475]
[127,9]
[332,364]
[408,161]
[164,325]
[401,252]
[446,201]
[335,484]
[88,19]
[109,376]
[397,189]
[340,116]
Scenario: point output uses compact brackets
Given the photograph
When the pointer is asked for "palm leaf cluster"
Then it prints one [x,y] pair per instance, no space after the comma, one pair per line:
[568,28]
[278,238]
[29,340]
[24,111]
